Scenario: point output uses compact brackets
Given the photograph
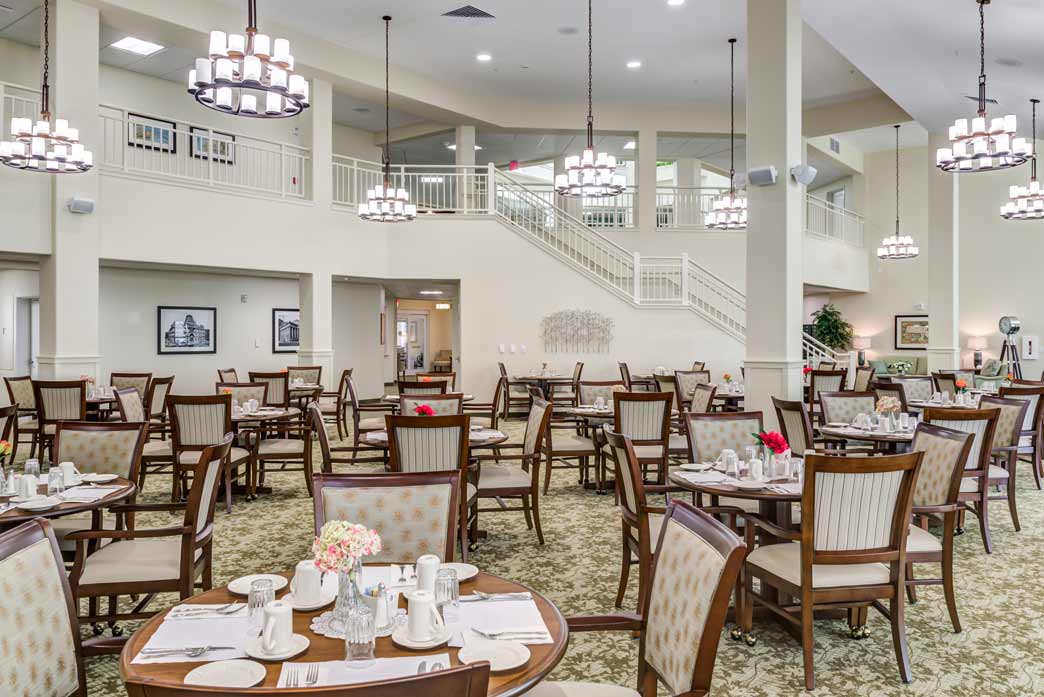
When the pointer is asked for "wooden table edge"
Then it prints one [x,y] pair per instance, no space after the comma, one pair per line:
[73,506]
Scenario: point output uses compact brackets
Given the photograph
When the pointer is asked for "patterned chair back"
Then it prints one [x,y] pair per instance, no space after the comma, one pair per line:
[277,395]
[102,448]
[536,427]
[591,390]
[824,381]
[20,390]
[1012,415]
[38,616]
[827,364]
[669,383]
[709,434]
[890,389]
[844,406]
[202,496]
[944,382]
[139,381]
[227,375]
[199,421]
[795,425]
[703,398]
[578,369]
[243,392]
[131,405]
[685,611]
[415,514]
[629,479]
[423,387]
[449,377]
[979,422]
[863,376]
[699,365]
[644,417]
[625,374]
[61,400]
[427,443]
[686,380]
[156,402]
[915,388]
[942,468]
[442,404]
[1034,412]
[310,374]
[342,386]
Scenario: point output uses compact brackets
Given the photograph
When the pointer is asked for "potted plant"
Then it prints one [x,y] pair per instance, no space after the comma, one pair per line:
[831,329]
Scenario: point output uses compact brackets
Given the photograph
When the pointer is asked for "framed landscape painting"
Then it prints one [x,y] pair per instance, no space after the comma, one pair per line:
[203,141]
[181,329]
[286,329]
[911,331]
[152,134]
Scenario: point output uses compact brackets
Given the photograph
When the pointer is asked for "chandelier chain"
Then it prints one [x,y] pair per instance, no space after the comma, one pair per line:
[897,179]
[387,130]
[590,78]
[732,116]
[982,39]
[45,92]
[1033,160]
[251,15]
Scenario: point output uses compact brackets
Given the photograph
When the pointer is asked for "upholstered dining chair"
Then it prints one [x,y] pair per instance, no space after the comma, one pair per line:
[863,376]
[946,381]
[278,394]
[588,391]
[519,481]
[227,375]
[139,381]
[890,389]
[832,562]
[21,393]
[309,375]
[843,407]
[1030,432]
[709,434]
[795,425]
[915,387]
[414,513]
[827,364]
[565,443]
[699,365]
[632,384]
[1004,453]
[330,454]
[9,432]
[362,422]
[38,617]
[156,405]
[243,392]
[338,408]
[517,393]
[146,561]
[562,393]
[441,404]
[974,491]
[198,422]
[823,381]
[284,441]
[434,444]
[645,418]
[685,382]
[433,386]
[157,456]
[702,401]
[487,414]
[58,400]
[449,376]
[681,616]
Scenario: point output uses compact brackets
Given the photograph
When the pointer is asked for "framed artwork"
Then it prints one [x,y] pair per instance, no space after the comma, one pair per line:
[911,331]
[181,329]
[152,134]
[1030,347]
[205,144]
[286,329]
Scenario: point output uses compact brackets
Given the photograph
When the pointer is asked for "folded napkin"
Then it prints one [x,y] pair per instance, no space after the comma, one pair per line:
[705,477]
[213,631]
[89,494]
[341,673]
[499,616]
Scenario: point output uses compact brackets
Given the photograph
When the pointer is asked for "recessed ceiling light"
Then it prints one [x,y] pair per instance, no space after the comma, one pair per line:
[675,3]
[483,57]
[431,292]
[629,145]
[634,65]
[137,46]
[453,146]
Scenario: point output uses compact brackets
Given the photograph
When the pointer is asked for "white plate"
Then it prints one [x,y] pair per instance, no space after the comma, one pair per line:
[298,645]
[838,424]
[235,673]
[464,571]
[41,505]
[401,638]
[325,598]
[749,484]
[241,586]
[98,478]
[23,499]
[696,466]
[502,655]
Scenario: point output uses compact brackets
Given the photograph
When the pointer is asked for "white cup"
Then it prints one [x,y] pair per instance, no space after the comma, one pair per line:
[27,486]
[307,585]
[599,403]
[278,632]
[424,622]
[69,473]
[427,568]
[253,405]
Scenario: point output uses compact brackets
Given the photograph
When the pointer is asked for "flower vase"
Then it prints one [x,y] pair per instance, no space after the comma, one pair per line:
[893,422]
[348,595]
[780,465]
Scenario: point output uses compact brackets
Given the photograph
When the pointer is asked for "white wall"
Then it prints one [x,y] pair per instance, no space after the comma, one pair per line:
[356,337]
[14,284]
[354,142]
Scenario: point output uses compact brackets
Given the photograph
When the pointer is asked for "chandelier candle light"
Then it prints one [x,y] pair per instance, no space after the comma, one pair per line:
[898,246]
[249,75]
[43,147]
[385,203]
[729,212]
[586,174]
[983,144]
[1026,202]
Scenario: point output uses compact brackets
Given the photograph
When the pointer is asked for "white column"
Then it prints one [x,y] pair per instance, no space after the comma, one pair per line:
[645,174]
[322,142]
[688,172]
[316,299]
[774,237]
[69,275]
[944,350]
[465,157]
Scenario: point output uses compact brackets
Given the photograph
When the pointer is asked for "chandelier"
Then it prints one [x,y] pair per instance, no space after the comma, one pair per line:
[1026,202]
[984,144]
[249,75]
[586,174]
[897,246]
[41,147]
[729,212]
[385,203]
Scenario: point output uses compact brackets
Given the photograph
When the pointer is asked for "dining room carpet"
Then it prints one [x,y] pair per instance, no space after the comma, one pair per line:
[1000,600]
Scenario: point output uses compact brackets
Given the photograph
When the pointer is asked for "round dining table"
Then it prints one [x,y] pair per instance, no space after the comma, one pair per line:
[474,441]
[890,441]
[394,398]
[543,657]
[15,516]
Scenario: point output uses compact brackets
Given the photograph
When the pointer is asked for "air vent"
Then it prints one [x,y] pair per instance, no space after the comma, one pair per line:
[468,12]
[975,99]
[835,146]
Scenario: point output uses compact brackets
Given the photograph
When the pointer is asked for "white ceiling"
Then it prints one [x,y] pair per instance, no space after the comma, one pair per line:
[911,135]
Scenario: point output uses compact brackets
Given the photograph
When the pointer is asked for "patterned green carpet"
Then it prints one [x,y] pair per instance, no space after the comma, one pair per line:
[1001,607]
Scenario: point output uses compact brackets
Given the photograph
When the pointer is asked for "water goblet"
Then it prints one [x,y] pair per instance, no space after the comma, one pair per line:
[55,481]
[32,466]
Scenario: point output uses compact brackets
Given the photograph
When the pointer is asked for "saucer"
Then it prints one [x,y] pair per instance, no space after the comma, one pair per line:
[241,585]
[98,478]
[749,484]
[325,598]
[298,645]
[23,499]
[696,466]
[42,504]
[234,673]
[401,638]
[502,655]
[465,572]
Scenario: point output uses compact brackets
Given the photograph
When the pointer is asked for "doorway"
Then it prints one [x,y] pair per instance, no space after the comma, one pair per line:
[27,336]
[411,342]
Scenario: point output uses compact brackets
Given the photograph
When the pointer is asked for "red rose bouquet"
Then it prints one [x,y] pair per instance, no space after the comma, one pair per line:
[424,410]
[773,440]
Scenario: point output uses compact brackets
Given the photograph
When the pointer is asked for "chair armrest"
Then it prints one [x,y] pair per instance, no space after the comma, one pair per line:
[127,534]
[605,623]
[943,508]
[377,407]
[753,520]
[477,406]
[660,510]
[493,458]
[146,507]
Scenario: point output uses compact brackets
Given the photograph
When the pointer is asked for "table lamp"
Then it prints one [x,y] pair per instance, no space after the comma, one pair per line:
[978,345]
[861,344]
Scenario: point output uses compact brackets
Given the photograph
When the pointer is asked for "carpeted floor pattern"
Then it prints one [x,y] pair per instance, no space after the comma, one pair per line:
[998,653]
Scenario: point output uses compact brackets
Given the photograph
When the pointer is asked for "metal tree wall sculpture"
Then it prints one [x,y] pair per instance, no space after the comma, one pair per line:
[577,331]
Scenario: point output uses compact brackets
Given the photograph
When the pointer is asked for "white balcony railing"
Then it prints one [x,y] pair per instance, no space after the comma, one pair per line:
[154,146]
[824,219]
[593,211]
[17,102]
[679,207]
[433,188]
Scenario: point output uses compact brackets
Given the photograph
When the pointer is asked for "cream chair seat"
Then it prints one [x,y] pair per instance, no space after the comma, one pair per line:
[580,689]
[972,483]
[655,523]
[279,446]
[374,423]
[920,540]
[77,521]
[483,421]
[471,491]
[157,448]
[570,442]
[134,561]
[191,457]
[784,561]
[677,443]
[503,478]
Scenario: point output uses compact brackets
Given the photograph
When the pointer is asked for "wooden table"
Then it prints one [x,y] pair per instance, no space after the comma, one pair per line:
[16,516]
[473,442]
[891,442]
[543,659]
[260,416]
[394,398]
[544,382]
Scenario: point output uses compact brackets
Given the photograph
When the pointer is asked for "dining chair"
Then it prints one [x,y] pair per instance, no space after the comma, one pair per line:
[702,401]
[435,444]
[283,441]
[156,405]
[423,387]
[709,434]
[337,409]
[327,451]
[361,422]
[946,382]
[157,456]
[849,552]
[38,622]
[487,414]
[21,393]
[891,389]
[914,387]
[309,375]
[520,481]
[974,491]
[632,384]
[588,391]
[699,365]
[243,392]
[863,376]
[669,383]
[441,404]
[227,375]
[9,433]
[139,381]
[795,425]
[843,407]
[1030,432]
[935,496]
[517,393]
[645,418]
[566,442]
[278,394]
[58,400]
[827,364]
[823,381]
[685,382]
[1004,453]
[414,513]
[450,377]
[568,394]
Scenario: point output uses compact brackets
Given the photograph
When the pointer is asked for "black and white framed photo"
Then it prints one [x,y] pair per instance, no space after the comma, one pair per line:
[152,134]
[182,329]
[205,144]
[286,329]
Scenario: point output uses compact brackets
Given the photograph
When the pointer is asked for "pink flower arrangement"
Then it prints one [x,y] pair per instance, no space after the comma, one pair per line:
[424,410]
[341,544]
[960,385]
[773,440]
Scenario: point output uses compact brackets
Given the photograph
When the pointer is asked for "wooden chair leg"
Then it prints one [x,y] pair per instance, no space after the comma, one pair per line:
[983,511]
[1035,462]
[1012,460]
[536,516]
[897,615]
[947,579]
[525,512]
[911,590]
[547,474]
[228,487]
[808,644]
[464,533]
[625,569]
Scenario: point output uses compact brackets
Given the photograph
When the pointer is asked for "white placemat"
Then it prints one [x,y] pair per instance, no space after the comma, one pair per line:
[499,616]
[340,673]
[705,477]
[89,494]
[212,631]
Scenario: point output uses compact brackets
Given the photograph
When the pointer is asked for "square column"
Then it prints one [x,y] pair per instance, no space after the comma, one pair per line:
[688,172]
[69,345]
[464,137]
[775,243]
[943,244]
[316,347]
[645,175]
[322,141]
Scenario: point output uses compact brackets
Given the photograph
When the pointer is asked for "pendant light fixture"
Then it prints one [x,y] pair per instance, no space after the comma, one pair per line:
[43,147]
[587,175]
[1026,202]
[729,212]
[983,144]
[249,75]
[898,246]
[384,202]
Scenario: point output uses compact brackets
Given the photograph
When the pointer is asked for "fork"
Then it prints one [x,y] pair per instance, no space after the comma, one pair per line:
[229,609]
[313,675]
[190,651]
[511,636]
[291,678]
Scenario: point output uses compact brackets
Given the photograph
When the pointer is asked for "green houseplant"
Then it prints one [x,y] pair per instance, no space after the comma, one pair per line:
[830,328]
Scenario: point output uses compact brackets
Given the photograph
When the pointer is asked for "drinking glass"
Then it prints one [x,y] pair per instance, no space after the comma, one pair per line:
[797,470]
[32,466]
[751,452]
[447,595]
[359,637]
[904,421]
[261,594]
[55,481]
[731,462]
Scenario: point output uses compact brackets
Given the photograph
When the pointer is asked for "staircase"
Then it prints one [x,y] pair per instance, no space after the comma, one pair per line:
[645,282]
